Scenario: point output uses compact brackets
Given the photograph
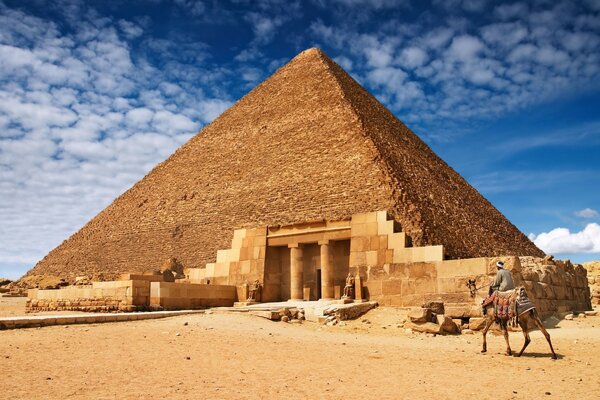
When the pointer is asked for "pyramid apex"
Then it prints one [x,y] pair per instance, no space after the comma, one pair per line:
[312,52]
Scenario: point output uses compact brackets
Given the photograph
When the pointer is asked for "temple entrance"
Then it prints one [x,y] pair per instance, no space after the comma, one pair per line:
[302,272]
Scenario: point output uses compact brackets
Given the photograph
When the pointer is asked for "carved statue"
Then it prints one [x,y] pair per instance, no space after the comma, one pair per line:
[254,291]
[349,288]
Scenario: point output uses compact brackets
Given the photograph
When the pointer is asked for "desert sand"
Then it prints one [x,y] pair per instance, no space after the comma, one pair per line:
[238,356]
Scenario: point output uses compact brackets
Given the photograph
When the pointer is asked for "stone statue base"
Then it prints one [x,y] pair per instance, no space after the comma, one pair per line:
[244,303]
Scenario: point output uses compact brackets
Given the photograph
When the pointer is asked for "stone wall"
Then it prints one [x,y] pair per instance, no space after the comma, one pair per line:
[188,296]
[128,295]
[148,293]
[593,275]
[554,286]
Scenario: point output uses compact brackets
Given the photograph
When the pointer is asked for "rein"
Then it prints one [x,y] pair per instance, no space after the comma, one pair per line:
[473,287]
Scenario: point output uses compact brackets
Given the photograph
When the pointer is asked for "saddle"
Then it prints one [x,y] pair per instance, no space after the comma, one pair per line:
[505,305]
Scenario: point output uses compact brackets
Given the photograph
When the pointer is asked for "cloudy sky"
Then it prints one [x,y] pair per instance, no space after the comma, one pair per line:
[93,94]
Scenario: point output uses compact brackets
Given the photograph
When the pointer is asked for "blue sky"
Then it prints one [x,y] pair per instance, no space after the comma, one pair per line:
[94,94]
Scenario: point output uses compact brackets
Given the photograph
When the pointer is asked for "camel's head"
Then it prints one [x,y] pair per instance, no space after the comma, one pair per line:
[472,287]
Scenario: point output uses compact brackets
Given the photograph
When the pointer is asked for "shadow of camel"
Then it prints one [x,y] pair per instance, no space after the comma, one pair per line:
[539,355]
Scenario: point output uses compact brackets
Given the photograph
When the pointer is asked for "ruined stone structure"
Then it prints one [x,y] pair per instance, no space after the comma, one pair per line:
[308,145]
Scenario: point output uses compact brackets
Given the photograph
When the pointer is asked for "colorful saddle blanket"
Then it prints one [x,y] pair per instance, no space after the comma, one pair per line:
[508,305]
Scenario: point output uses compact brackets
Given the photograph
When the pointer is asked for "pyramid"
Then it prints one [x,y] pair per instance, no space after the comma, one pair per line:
[307,144]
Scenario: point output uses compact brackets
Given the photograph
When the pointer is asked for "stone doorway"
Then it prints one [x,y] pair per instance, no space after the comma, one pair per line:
[298,271]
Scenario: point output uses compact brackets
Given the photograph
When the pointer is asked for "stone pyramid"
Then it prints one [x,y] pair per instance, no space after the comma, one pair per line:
[307,144]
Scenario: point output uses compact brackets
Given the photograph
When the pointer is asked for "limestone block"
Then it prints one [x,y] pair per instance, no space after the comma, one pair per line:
[372,257]
[222,256]
[371,229]
[476,324]
[402,255]
[364,217]
[374,243]
[245,267]
[390,287]
[375,288]
[385,228]
[468,267]
[446,324]
[425,285]
[397,240]
[358,259]
[389,256]
[358,230]
[359,243]
[408,287]
[382,216]
[436,307]
[420,315]
[425,327]
[221,269]
[427,253]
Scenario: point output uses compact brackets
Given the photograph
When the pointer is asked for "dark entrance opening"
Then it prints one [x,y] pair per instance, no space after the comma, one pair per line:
[318,289]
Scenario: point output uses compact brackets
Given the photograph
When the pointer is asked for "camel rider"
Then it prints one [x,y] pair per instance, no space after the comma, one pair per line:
[504,280]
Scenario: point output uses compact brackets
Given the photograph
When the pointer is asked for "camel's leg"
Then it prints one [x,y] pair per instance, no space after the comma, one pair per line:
[486,328]
[540,326]
[504,327]
[523,324]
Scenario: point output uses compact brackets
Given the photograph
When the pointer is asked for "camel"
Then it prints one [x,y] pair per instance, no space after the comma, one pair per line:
[523,321]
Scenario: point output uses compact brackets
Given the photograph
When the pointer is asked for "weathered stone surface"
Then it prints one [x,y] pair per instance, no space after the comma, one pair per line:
[446,324]
[436,307]
[307,144]
[272,315]
[425,327]
[476,324]
[420,315]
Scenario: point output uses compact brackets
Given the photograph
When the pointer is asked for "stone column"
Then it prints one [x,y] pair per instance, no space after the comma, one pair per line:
[296,272]
[326,271]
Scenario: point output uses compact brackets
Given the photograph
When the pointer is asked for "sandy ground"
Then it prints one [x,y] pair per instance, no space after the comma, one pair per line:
[237,356]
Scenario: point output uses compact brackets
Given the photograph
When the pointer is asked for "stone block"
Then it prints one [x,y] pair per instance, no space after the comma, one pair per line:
[358,230]
[245,267]
[374,243]
[476,324]
[372,257]
[446,324]
[381,216]
[427,253]
[371,229]
[402,255]
[424,327]
[360,244]
[385,228]
[436,307]
[420,315]
[397,240]
[222,256]
[358,259]
[390,287]
[375,288]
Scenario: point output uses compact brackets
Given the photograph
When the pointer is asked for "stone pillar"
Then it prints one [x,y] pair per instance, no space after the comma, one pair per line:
[296,272]
[326,271]
[358,293]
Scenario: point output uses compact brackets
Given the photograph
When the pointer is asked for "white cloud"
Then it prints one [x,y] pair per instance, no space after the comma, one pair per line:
[510,11]
[562,241]
[139,117]
[587,213]
[413,57]
[466,47]
[82,119]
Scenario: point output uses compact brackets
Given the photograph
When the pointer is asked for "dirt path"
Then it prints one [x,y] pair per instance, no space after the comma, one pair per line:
[229,356]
